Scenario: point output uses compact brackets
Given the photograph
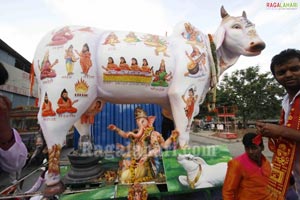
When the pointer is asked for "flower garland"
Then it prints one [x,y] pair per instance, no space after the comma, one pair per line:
[133,163]
[214,72]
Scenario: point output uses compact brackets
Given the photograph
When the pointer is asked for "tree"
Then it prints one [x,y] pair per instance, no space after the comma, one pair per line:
[257,95]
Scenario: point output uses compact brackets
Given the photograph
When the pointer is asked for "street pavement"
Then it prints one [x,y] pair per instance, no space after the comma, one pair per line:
[235,146]
[198,138]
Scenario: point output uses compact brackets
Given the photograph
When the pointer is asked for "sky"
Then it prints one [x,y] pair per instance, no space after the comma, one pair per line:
[24,23]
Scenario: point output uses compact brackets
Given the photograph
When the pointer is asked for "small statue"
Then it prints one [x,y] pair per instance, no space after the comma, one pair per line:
[141,162]
[137,192]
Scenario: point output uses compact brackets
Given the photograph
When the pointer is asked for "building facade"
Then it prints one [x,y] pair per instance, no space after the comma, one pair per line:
[17,88]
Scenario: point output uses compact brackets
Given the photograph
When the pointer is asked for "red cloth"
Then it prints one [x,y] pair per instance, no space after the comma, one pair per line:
[47,109]
[85,62]
[245,180]
[67,107]
[284,149]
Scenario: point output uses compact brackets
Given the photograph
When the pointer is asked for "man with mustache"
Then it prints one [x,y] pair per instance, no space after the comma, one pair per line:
[248,174]
[285,138]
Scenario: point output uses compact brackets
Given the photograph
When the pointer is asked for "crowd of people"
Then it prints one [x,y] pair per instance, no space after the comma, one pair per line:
[248,175]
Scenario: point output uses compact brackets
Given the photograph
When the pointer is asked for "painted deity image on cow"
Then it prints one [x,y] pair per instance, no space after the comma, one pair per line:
[84,65]
[134,73]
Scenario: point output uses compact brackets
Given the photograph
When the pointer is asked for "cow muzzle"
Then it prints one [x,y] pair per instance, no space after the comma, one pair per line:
[256,48]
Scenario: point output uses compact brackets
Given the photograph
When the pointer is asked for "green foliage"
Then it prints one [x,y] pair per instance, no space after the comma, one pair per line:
[256,95]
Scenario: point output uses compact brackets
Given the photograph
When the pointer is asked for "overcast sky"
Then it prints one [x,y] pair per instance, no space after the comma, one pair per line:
[24,23]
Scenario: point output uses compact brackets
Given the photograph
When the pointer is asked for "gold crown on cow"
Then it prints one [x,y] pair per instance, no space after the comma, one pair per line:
[140,113]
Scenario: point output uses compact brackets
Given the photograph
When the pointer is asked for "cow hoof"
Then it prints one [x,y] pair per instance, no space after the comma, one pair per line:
[52,190]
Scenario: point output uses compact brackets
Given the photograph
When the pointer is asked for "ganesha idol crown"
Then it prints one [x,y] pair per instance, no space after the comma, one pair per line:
[139,113]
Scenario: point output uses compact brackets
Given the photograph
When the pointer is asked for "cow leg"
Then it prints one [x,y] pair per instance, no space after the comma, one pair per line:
[55,134]
[85,145]
[185,105]
[179,117]
[183,180]
[53,181]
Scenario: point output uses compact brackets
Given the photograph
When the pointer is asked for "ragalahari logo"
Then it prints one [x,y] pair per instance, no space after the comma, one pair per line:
[282,5]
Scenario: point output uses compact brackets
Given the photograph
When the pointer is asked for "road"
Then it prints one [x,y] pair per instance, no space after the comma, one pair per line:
[235,146]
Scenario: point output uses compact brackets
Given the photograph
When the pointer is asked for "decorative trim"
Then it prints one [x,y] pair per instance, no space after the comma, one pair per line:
[193,182]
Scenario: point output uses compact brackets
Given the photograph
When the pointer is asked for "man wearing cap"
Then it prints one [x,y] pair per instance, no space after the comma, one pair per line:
[248,174]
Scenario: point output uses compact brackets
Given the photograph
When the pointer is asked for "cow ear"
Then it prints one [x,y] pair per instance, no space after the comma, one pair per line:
[219,36]
[199,161]
[223,12]
[244,14]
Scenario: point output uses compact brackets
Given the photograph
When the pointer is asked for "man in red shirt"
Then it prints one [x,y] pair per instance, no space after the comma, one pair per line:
[248,175]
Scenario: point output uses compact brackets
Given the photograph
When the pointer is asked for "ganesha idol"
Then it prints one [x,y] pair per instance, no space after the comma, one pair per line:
[141,161]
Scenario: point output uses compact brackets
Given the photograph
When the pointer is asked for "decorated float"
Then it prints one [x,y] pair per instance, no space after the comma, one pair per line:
[79,69]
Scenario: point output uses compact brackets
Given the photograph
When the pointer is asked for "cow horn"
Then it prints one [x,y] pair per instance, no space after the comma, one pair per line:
[244,14]
[223,12]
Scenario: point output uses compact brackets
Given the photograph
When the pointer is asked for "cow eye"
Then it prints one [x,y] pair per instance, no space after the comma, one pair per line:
[236,26]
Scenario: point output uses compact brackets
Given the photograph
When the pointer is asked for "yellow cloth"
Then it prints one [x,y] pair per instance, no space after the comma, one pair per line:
[245,180]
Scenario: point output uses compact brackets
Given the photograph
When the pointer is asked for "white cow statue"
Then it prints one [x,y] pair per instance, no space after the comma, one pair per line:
[199,173]
[80,68]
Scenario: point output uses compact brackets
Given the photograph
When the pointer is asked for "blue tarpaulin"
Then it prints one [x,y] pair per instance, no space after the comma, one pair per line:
[122,115]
